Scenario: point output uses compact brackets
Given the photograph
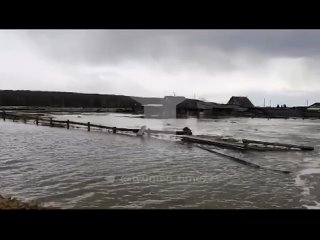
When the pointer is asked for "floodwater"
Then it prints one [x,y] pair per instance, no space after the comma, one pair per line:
[79,169]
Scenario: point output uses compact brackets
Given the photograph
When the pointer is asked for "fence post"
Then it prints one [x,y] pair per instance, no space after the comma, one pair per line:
[88,126]
[67,124]
[51,124]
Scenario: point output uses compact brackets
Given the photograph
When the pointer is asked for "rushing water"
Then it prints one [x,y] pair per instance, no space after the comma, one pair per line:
[79,169]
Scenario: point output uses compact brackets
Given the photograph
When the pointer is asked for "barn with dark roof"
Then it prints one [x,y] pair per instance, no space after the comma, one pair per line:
[241,102]
[314,107]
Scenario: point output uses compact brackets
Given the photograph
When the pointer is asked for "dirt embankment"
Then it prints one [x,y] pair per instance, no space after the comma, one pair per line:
[12,203]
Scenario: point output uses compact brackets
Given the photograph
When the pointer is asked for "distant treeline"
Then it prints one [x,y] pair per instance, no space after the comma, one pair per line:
[65,99]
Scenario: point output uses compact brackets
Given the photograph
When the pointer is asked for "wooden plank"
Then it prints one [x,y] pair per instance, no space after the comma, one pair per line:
[241,160]
[78,123]
[247,146]
[149,131]
[266,148]
[100,126]
[306,148]
[159,132]
[231,157]
[212,142]
[135,130]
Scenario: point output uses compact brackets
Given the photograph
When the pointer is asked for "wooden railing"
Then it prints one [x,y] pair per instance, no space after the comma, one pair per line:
[66,123]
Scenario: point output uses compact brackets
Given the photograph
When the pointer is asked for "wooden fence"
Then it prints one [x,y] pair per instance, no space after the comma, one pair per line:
[66,124]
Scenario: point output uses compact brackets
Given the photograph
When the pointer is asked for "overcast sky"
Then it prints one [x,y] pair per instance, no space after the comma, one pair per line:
[281,65]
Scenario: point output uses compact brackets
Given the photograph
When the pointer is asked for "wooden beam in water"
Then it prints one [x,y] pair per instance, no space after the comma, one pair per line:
[78,123]
[135,130]
[100,126]
[149,131]
[212,142]
[242,161]
[305,148]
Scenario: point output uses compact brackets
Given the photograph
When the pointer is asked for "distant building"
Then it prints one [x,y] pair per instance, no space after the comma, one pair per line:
[170,106]
[166,109]
[152,110]
[314,107]
[241,102]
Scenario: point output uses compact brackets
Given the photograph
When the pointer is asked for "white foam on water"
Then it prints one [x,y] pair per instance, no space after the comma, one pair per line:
[73,201]
[317,206]
[52,205]
[303,183]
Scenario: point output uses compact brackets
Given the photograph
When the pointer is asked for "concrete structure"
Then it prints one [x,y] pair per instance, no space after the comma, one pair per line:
[167,108]
[152,110]
[170,106]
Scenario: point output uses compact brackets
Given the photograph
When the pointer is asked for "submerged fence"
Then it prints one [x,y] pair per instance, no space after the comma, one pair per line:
[49,121]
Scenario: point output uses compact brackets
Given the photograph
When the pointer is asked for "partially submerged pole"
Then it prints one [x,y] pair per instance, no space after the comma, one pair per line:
[68,124]
[114,130]
[37,121]
[51,124]
[242,161]
[88,126]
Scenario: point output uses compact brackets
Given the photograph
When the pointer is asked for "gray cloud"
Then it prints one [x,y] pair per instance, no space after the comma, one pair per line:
[210,63]
[115,45]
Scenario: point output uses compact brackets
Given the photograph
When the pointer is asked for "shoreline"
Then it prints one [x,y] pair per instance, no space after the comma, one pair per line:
[7,203]
[45,111]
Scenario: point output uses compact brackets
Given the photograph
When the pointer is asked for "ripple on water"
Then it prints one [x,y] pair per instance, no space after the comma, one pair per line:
[76,169]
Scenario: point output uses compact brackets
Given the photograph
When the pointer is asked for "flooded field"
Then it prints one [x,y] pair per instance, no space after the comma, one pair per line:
[79,169]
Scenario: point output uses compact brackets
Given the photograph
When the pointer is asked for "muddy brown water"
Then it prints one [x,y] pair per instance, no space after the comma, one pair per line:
[76,169]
